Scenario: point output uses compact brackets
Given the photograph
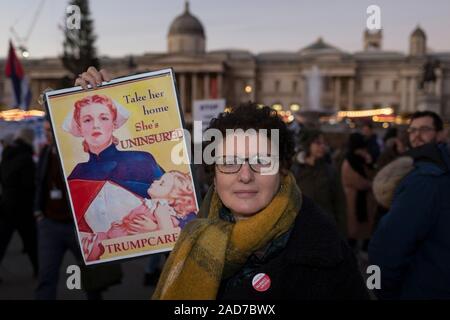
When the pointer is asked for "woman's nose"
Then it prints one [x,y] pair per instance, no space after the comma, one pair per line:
[96,123]
[246,174]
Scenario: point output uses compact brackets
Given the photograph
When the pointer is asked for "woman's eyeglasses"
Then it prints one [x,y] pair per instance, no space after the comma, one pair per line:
[232,164]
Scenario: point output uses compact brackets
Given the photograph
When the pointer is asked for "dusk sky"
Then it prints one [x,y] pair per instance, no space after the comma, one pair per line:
[139,26]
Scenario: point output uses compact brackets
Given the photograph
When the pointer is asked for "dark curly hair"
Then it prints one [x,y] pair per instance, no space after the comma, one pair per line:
[253,116]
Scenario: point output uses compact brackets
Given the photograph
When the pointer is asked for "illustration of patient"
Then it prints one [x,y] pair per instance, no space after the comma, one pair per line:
[172,205]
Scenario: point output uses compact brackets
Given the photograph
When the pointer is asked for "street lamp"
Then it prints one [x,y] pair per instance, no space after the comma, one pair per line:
[24,52]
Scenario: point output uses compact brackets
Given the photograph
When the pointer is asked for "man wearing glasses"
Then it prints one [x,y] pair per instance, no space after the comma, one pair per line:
[425,127]
[412,242]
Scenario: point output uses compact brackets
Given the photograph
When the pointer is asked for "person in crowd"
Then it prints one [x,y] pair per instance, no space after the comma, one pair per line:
[373,144]
[395,144]
[410,244]
[6,141]
[259,236]
[17,172]
[356,174]
[153,268]
[318,179]
[445,136]
[56,231]
[425,127]
[295,128]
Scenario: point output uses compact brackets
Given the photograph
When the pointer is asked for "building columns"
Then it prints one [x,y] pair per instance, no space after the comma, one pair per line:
[194,88]
[183,91]
[206,86]
[337,93]
[351,93]
[438,88]
[412,97]
[219,85]
[403,95]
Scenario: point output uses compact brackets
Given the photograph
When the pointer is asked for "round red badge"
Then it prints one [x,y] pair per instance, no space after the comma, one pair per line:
[261,282]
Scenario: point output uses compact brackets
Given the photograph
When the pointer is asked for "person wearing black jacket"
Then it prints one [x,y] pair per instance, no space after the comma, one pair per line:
[57,233]
[316,264]
[318,179]
[55,229]
[17,171]
[411,243]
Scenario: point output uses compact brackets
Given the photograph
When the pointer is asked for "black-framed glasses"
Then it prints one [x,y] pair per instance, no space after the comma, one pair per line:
[232,164]
[423,129]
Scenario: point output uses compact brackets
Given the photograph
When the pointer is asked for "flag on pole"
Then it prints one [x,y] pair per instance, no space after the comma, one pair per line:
[21,90]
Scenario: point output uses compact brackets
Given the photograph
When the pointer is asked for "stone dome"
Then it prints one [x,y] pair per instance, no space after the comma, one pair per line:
[418,32]
[186,24]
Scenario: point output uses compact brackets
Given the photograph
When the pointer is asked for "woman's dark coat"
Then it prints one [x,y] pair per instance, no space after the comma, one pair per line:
[315,263]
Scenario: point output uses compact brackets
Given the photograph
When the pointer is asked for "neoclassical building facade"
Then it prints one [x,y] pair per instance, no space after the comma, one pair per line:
[368,79]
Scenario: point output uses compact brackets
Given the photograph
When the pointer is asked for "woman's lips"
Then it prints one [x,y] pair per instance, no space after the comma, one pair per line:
[244,194]
[96,134]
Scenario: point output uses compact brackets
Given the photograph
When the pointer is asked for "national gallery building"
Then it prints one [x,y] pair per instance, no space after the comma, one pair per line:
[317,76]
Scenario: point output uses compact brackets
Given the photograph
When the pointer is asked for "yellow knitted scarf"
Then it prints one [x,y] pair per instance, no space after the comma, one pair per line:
[211,249]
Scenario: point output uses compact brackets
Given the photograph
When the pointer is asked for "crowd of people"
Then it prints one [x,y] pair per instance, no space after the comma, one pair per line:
[387,197]
[34,203]
[396,201]
[381,198]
